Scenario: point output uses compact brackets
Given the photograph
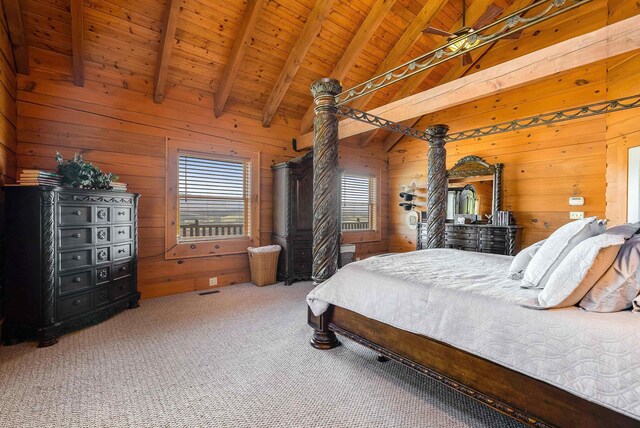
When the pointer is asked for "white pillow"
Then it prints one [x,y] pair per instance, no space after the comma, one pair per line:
[579,271]
[619,285]
[522,259]
[627,229]
[556,248]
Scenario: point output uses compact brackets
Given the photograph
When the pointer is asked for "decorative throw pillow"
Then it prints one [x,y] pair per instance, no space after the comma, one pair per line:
[556,248]
[619,285]
[627,230]
[522,259]
[579,271]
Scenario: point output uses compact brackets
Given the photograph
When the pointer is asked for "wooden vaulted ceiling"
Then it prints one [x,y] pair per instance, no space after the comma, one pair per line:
[255,57]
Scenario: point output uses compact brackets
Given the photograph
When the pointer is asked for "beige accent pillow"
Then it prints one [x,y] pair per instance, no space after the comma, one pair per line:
[579,271]
[619,285]
[556,248]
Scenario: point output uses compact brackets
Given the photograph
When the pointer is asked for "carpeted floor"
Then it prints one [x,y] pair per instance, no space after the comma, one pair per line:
[239,358]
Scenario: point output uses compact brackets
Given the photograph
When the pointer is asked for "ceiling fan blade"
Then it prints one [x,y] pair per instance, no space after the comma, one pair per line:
[514,36]
[434,30]
[466,59]
[488,16]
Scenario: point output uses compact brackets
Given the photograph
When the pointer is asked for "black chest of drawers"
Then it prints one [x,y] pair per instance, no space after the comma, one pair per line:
[71,260]
[484,238]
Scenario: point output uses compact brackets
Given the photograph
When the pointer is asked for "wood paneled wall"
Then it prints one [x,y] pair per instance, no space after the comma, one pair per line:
[8,119]
[115,124]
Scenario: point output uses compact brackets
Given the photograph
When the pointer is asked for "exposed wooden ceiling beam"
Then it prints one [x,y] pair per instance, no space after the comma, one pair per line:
[167,37]
[17,35]
[610,41]
[410,36]
[310,31]
[412,83]
[371,23]
[240,45]
[77,41]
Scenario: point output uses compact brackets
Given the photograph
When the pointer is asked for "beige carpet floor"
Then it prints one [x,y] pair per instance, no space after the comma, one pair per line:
[239,358]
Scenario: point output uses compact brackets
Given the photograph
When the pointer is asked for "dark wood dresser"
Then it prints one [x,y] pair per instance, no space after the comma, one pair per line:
[484,238]
[293,218]
[71,260]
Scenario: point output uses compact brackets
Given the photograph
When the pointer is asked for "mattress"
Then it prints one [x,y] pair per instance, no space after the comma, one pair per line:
[466,299]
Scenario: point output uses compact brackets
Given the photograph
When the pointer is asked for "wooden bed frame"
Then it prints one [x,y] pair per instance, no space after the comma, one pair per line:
[514,394]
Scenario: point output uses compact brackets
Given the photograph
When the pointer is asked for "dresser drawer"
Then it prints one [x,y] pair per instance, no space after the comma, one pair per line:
[102,296]
[103,255]
[120,288]
[462,242]
[121,251]
[75,259]
[74,282]
[74,237]
[74,305]
[303,255]
[103,235]
[74,214]
[103,215]
[122,233]
[300,268]
[103,275]
[121,270]
[122,214]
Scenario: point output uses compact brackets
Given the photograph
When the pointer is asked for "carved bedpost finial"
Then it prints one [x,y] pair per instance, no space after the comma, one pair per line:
[436,186]
[326,184]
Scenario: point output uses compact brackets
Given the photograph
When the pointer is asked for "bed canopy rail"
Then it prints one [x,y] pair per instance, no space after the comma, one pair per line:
[502,28]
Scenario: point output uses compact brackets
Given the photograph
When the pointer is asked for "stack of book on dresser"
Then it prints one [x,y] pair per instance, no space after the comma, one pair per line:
[118,187]
[36,177]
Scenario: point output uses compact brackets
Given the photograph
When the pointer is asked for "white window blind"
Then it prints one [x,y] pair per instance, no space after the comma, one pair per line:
[358,202]
[213,198]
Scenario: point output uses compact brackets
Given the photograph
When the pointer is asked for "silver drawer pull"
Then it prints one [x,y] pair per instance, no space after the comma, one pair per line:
[121,213]
[77,212]
[102,234]
[102,214]
[121,250]
[76,302]
[102,274]
[102,255]
[76,257]
[77,235]
[123,268]
[121,232]
[77,279]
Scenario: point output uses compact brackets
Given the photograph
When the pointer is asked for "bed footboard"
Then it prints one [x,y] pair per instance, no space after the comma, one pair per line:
[519,396]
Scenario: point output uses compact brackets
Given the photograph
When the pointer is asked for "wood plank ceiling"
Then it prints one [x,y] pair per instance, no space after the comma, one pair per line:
[256,57]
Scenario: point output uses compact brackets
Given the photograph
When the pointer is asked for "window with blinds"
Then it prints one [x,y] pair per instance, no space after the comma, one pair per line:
[358,203]
[213,198]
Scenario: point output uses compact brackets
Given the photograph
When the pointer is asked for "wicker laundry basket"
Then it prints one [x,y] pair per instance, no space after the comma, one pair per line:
[264,264]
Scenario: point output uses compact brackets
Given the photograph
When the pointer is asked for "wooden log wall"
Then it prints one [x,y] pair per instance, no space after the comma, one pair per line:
[114,122]
[8,120]
[543,166]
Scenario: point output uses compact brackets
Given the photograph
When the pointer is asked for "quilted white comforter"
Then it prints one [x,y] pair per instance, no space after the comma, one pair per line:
[466,300]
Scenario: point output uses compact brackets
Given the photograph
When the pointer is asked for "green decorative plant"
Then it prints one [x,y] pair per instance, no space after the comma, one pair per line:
[78,173]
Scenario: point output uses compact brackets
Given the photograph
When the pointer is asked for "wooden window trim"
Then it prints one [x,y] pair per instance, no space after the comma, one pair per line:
[360,237]
[174,249]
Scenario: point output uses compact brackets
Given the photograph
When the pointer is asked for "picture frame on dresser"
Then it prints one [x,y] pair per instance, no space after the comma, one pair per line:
[71,260]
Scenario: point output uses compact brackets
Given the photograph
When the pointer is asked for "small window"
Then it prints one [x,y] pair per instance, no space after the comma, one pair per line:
[213,198]
[358,208]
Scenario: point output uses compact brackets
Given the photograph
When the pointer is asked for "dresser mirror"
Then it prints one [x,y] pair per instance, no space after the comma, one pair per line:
[473,190]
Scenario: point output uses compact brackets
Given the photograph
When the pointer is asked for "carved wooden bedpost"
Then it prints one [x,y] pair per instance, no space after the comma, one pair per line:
[326,204]
[436,186]
[497,189]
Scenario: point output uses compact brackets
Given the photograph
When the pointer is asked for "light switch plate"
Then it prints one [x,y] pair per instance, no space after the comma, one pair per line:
[576,215]
[213,281]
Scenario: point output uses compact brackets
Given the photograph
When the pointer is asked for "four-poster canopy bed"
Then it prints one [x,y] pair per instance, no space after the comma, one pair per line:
[530,399]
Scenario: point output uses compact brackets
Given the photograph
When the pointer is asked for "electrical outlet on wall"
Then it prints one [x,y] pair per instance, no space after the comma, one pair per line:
[213,281]
[576,215]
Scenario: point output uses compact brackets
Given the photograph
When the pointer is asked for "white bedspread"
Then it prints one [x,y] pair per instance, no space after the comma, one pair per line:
[466,300]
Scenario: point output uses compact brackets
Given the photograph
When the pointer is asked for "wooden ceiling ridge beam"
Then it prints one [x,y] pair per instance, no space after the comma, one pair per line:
[240,45]
[13,13]
[77,41]
[374,19]
[167,37]
[454,73]
[310,31]
[410,36]
[616,39]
